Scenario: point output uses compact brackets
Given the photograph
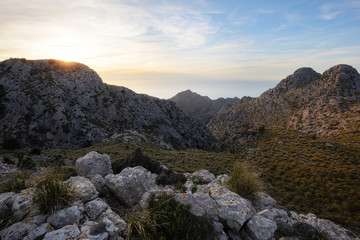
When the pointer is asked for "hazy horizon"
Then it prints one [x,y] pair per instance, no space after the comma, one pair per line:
[217,49]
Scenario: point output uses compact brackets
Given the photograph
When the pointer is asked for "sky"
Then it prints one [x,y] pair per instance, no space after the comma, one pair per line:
[216,48]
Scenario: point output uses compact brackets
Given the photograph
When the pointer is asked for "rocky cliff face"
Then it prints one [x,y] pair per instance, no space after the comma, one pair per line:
[200,107]
[55,104]
[306,101]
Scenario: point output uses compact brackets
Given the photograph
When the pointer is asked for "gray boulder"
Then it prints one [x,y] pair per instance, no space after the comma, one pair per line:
[6,202]
[93,163]
[259,228]
[39,232]
[67,216]
[99,182]
[95,208]
[22,203]
[83,188]
[264,201]
[113,223]
[94,231]
[233,210]
[67,232]
[129,185]
[203,176]
[17,231]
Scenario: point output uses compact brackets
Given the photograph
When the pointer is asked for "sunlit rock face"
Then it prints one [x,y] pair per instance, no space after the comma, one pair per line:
[55,104]
[318,104]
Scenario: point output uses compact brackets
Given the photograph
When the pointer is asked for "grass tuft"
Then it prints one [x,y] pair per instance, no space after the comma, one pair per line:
[244,181]
[166,218]
[15,184]
[52,194]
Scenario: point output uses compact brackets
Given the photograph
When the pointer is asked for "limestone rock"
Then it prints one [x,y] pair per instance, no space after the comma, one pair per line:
[94,231]
[259,228]
[39,232]
[95,208]
[67,216]
[83,188]
[203,175]
[93,163]
[22,202]
[6,202]
[129,185]
[66,232]
[17,231]
[114,224]
[99,182]
[264,201]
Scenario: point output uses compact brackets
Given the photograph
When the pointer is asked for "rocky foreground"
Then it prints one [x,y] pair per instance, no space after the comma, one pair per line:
[233,216]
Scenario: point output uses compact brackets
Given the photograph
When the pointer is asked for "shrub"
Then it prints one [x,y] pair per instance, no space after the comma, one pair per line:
[166,218]
[52,194]
[244,181]
[15,184]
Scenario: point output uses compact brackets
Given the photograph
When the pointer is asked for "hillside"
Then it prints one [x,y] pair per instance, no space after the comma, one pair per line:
[325,104]
[200,107]
[55,104]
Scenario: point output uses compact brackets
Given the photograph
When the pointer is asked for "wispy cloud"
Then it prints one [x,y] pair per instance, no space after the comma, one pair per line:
[328,12]
[265,11]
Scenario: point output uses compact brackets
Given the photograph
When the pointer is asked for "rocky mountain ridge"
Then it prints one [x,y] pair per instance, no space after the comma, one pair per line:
[200,107]
[90,216]
[318,104]
[56,104]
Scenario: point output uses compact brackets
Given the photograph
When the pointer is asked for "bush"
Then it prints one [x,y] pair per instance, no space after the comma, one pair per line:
[166,218]
[15,184]
[244,181]
[52,194]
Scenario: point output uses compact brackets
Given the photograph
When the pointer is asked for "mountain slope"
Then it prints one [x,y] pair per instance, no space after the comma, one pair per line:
[321,105]
[201,107]
[55,104]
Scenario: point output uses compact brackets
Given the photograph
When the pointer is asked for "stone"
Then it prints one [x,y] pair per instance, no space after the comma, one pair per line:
[93,163]
[83,188]
[99,182]
[66,232]
[334,231]
[274,214]
[223,179]
[129,185]
[157,191]
[39,232]
[114,224]
[232,209]
[95,208]
[67,216]
[264,201]
[203,176]
[6,201]
[17,231]
[94,231]
[259,228]
[22,202]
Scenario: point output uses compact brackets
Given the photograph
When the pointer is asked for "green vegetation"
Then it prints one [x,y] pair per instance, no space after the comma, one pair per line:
[244,181]
[15,184]
[166,218]
[52,194]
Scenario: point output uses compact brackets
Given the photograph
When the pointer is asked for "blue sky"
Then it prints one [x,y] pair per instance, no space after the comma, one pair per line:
[216,48]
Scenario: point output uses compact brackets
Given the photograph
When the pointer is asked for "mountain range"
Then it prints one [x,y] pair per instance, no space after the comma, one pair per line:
[56,104]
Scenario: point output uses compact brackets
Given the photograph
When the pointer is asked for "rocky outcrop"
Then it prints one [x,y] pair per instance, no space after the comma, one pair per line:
[306,101]
[55,104]
[233,217]
[200,107]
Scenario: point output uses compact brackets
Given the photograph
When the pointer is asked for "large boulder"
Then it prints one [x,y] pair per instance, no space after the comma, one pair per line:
[67,216]
[259,228]
[17,231]
[67,232]
[39,232]
[129,185]
[83,188]
[22,203]
[93,163]
[95,208]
